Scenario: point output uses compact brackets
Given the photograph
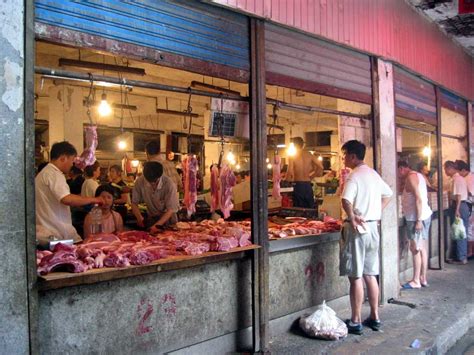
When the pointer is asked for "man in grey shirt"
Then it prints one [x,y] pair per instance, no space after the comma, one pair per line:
[158,192]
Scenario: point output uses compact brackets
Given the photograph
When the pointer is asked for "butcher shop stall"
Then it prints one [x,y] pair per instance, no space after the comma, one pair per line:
[232,147]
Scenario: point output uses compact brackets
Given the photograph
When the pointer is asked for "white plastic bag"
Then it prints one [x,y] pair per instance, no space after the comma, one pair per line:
[324,324]
[458,232]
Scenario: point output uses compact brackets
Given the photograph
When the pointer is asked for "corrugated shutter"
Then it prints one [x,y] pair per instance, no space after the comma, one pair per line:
[414,98]
[453,102]
[185,28]
[299,61]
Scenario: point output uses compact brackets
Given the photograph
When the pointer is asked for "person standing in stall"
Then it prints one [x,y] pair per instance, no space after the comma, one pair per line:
[458,208]
[364,197]
[158,192]
[301,169]
[54,198]
[465,172]
[152,150]
[417,215]
[90,184]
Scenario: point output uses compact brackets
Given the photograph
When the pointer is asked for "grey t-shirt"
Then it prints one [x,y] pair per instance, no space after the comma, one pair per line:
[163,198]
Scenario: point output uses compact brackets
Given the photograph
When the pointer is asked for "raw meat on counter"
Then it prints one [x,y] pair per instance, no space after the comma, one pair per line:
[141,248]
[228,181]
[276,177]
[303,227]
[190,169]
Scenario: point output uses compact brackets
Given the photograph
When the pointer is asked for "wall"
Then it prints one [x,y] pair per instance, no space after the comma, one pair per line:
[387,28]
[14,325]
[147,314]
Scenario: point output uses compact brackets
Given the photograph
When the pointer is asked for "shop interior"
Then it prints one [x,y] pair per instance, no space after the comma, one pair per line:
[215,130]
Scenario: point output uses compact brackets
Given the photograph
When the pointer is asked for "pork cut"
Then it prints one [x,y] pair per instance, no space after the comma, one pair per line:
[214,188]
[88,155]
[227,179]
[276,166]
[64,258]
[190,169]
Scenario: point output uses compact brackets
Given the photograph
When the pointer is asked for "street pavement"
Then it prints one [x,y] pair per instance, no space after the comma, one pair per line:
[444,313]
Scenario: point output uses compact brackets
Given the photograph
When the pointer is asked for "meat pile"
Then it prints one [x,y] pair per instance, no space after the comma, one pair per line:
[276,177]
[190,168]
[214,188]
[88,155]
[228,181]
[304,227]
[140,248]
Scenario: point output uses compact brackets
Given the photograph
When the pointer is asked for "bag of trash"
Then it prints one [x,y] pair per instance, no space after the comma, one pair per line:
[458,232]
[323,324]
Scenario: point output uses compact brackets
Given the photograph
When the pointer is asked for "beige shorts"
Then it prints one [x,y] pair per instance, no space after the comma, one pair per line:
[359,253]
[418,237]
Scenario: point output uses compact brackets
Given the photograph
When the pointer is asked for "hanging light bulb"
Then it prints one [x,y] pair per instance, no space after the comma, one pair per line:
[426,151]
[269,166]
[320,158]
[237,167]
[291,151]
[122,145]
[268,160]
[231,158]
[104,107]
[135,163]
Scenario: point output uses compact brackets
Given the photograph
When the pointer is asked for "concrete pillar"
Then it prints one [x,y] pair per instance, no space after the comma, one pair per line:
[386,165]
[14,267]
[66,116]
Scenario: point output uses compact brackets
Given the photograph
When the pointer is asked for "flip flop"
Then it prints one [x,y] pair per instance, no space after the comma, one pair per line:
[425,285]
[407,286]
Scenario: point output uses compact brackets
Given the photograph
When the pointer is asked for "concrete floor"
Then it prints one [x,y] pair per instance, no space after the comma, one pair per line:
[444,313]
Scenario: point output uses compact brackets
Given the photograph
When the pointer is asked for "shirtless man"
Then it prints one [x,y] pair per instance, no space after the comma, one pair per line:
[301,169]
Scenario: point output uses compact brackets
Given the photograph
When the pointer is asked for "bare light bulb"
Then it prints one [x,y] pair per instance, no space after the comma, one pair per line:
[426,151]
[291,151]
[237,167]
[320,158]
[104,107]
[269,166]
[231,158]
[122,145]
[135,162]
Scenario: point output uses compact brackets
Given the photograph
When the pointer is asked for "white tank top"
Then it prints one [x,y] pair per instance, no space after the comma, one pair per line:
[409,201]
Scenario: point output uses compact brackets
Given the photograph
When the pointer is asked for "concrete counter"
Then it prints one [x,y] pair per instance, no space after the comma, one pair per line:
[200,309]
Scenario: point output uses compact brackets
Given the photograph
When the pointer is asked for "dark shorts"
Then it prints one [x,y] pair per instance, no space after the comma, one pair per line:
[303,194]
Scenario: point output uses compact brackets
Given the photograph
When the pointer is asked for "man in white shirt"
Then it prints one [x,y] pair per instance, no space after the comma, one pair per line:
[465,171]
[364,196]
[53,197]
[417,215]
[458,208]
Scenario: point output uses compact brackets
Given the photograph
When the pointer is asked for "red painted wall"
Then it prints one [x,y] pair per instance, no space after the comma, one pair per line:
[387,28]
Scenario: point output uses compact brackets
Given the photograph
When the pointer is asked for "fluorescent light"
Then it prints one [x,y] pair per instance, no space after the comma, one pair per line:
[100,66]
[281,145]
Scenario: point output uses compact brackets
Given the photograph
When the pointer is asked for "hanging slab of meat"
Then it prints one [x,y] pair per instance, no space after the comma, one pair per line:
[190,168]
[276,177]
[88,155]
[214,188]
[227,178]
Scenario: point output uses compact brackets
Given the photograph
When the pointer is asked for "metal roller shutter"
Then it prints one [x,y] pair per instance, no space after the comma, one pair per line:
[187,29]
[299,61]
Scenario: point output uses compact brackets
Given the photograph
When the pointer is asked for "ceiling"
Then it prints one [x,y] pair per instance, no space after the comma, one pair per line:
[460,27]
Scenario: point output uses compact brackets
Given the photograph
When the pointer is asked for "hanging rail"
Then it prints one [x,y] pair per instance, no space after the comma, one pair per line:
[69,75]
